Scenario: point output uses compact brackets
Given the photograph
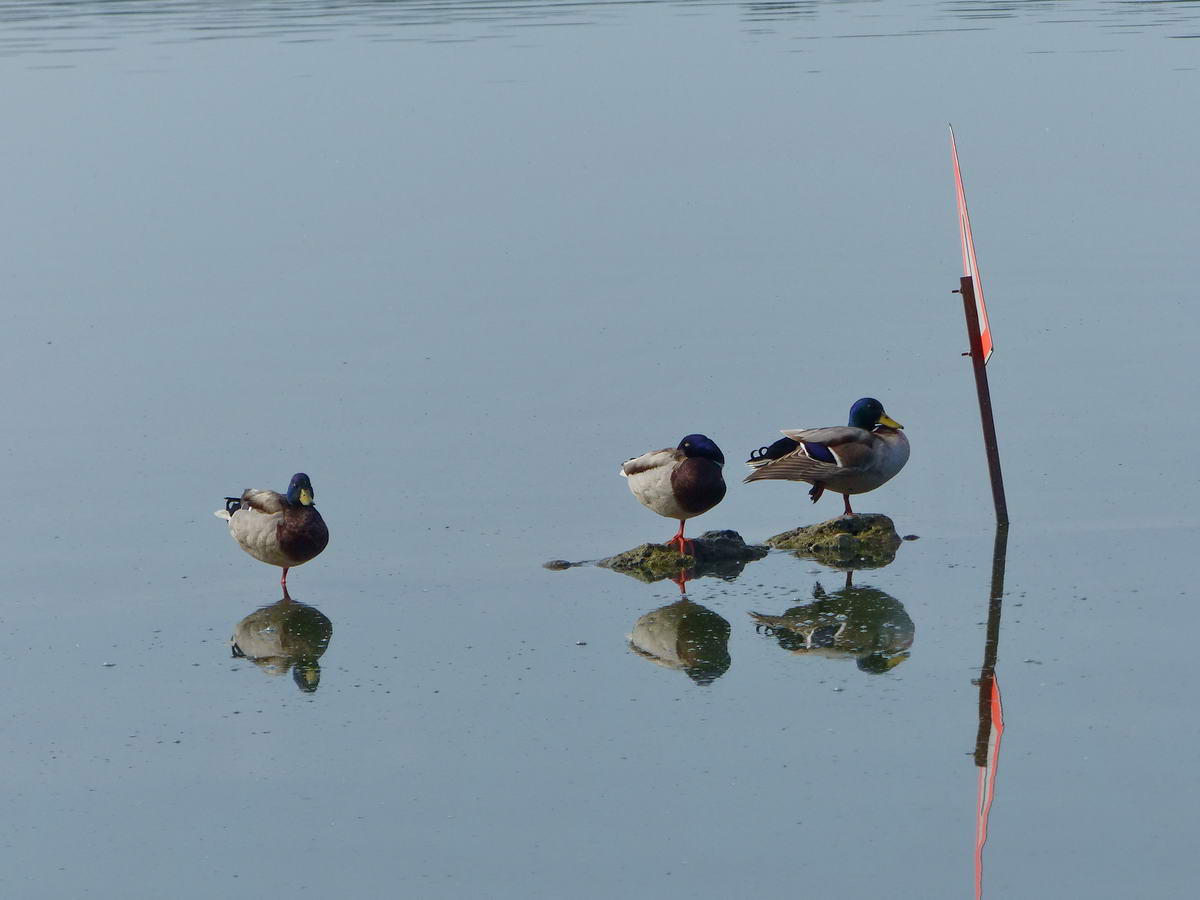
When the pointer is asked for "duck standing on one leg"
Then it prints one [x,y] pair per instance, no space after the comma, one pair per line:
[849,459]
[679,483]
[279,529]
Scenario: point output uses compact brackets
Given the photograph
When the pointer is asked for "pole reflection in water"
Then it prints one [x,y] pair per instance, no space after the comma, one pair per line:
[685,636]
[285,635]
[991,712]
[857,622]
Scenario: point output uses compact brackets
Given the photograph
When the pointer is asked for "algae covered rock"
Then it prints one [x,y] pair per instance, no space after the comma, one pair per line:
[857,541]
[720,553]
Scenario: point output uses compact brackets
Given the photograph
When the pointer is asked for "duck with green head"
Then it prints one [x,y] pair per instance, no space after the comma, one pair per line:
[679,482]
[282,530]
[850,459]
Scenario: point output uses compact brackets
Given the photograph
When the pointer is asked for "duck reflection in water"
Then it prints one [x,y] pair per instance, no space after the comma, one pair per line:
[285,635]
[858,622]
[684,635]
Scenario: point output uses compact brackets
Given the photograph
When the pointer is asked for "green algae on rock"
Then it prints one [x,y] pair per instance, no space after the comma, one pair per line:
[858,541]
[720,553]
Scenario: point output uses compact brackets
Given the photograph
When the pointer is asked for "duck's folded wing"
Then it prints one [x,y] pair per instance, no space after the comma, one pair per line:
[830,437]
[845,445]
[797,466]
[264,501]
[647,461]
[771,621]
[819,452]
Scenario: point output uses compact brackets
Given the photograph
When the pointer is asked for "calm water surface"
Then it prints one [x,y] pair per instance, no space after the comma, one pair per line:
[457,261]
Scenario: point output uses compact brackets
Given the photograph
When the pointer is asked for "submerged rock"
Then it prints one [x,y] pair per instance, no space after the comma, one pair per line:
[720,553]
[858,541]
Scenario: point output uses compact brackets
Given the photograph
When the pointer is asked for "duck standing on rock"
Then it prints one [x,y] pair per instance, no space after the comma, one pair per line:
[849,459]
[279,529]
[679,483]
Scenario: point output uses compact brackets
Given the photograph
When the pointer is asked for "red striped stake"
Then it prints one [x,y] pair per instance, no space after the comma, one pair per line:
[979,335]
[970,263]
[991,712]
[987,779]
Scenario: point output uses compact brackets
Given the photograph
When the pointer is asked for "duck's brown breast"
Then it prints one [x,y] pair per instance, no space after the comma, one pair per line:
[302,533]
[697,484]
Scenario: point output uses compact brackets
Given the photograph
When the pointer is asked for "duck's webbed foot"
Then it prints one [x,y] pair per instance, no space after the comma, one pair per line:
[685,546]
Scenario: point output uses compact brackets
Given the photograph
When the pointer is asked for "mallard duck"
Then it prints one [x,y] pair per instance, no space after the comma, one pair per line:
[849,459]
[679,482]
[285,635]
[279,529]
[858,621]
[684,636]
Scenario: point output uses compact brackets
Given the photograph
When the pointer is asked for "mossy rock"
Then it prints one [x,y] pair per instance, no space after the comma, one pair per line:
[857,541]
[719,553]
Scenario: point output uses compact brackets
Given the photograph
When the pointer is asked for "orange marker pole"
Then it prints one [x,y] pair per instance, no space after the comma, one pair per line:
[991,711]
[979,333]
[989,694]
[971,310]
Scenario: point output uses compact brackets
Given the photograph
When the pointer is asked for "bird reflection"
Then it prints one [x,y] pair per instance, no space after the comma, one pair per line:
[285,635]
[857,622]
[684,635]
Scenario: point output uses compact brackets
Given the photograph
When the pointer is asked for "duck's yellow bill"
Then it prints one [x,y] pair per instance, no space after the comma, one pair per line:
[887,420]
[306,497]
[311,675]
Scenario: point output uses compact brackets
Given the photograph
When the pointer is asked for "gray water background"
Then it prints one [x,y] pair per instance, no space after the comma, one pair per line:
[457,261]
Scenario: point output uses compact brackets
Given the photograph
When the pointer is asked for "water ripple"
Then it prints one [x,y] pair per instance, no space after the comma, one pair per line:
[85,26]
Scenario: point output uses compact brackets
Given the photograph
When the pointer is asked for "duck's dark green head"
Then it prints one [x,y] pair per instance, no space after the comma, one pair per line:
[300,491]
[868,412]
[307,675]
[699,445]
[877,663]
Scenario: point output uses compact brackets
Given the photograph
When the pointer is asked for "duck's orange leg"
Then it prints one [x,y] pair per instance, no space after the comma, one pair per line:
[682,579]
[685,546]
